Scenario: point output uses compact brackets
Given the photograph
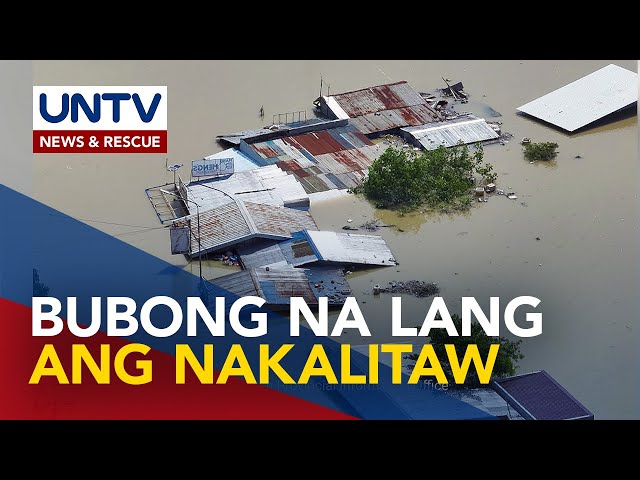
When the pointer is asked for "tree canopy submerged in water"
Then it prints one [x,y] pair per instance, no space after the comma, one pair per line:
[439,178]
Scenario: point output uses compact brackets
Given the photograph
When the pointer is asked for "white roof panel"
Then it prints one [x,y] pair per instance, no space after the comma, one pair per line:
[466,129]
[351,248]
[586,100]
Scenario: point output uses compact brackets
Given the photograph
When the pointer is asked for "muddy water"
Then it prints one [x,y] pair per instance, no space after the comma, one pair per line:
[584,210]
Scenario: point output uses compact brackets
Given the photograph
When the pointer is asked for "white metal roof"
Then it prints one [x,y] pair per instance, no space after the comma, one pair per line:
[586,100]
[269,185]
[335,108]
[465,129]
[351,248]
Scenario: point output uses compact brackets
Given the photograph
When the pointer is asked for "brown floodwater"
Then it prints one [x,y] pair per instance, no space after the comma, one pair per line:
[584,210]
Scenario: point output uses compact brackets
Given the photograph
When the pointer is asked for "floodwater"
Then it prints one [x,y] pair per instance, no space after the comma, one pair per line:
[584,210]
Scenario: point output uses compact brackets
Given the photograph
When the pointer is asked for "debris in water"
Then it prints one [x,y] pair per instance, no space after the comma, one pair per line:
[349,227]
[374,225]
[578,156]
[537,238]
[525,140]
[349,220]
[512,196]
[417,288]
[490,187]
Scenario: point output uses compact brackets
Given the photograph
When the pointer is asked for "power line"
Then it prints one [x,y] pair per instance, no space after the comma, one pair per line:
[138,231]
[101,221]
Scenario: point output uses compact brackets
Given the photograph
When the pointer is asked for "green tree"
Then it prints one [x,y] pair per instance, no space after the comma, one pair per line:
[506,360]
[437,178]
[540,151]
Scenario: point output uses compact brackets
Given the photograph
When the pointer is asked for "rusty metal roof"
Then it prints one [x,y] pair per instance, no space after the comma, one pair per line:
[276,285]
[399,117]
[381,108]
[378,98]
[336,158]
[238,221]
[306,146]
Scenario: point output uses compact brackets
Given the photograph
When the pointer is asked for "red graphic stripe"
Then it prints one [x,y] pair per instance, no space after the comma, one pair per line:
[161,399]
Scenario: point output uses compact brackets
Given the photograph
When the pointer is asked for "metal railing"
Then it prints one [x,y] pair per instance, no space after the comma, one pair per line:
[301,116]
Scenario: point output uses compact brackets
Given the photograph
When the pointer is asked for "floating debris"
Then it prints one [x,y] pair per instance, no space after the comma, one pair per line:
[349,227]
[375,225]
[578,156]
[512,196]
[490,187]
[525,140]
[417,288]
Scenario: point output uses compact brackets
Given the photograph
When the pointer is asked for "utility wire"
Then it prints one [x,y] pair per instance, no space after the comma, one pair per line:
[106,223]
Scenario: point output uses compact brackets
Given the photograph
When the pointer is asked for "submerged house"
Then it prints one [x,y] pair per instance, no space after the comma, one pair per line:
[380,109]
[237,222]
[276,285]
[587,100]
[464,129]
[315,247]
[333,159]
[538,396]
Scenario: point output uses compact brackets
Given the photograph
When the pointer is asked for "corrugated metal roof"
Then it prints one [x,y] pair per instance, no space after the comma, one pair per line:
[238,283]
[381,108]
[390,119]
[378,98]
[319,160]
[586,100]
[238,221]
[269,185]
[261,254]
[308,246]
[308,145]
[276,285]
[465,129]
[351,248]
[537,396]
[277,221]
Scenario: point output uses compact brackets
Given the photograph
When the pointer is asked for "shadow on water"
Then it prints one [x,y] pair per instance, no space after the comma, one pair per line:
[620,119]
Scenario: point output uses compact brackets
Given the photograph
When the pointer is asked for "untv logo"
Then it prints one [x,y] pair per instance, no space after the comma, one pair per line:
[100,119]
